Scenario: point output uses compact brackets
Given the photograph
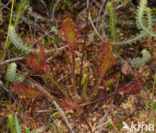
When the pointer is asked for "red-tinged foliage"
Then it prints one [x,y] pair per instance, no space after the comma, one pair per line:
[106,60]
[131,87]
[28,90]
[36,62]
[45,67]
[106,48]
[70,104]
[68,35]
[68,32]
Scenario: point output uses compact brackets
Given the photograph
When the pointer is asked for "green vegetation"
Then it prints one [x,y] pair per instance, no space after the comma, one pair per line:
[62,66]
[14,126]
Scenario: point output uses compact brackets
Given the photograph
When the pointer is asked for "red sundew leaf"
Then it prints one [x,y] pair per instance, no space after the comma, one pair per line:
[45,67]
[105,52]
[131,87]
[106,58]
[106,49]
[70,104]
[68,32]
[105,66]
[28,90]
[36,62]
[42,53]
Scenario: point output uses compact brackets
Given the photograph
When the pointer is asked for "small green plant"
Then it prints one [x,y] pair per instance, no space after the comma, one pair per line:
[110,126]
[19,44]
[11,124]
[140,61]
[14,126]
[65,3]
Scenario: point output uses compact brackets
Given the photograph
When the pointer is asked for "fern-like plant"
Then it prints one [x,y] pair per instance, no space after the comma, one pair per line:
[144,21]
[112,19]
[11,74]
[140,61]
[17,41]
[140,19]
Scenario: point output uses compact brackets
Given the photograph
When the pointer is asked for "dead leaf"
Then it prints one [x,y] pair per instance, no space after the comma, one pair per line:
[126,68]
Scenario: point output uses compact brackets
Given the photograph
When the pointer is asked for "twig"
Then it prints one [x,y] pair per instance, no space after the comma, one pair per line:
[28,22]
[97,3]
[56,50]
[54,102]
[103,120]
[38,27]
[84,118]
[44,4]
[45,34]
[63,115]
[5,5]
[116,8]
[104,117]
[121,5]
[90,19]
[103,3]
[11,60]
[100,99]
[65,76]
[54,8]
[22,58]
